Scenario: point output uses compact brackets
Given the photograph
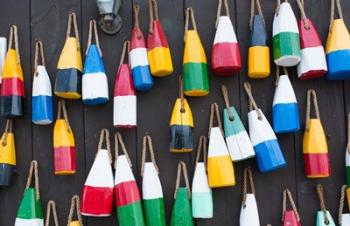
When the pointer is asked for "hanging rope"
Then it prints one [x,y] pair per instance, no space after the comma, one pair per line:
[104,135]
[118,139]
[288,194]
[181,167]
[341,204]
[51,205]
[39,48]
[136,8]
[219,9]
[181,94]
[153,14]
[8,129]
[125,51]
[147,140]
[189,13]
[62,109]
[322,203]
[348,145]
[75,203]
[34,170]
[93,29]
[202,148]
[214,111]
[227,102]
[14,38]
[311,92]
[340,13]
[285,71]
[72,18]
[252,103]
[252,12]
[303,14]
[247,175]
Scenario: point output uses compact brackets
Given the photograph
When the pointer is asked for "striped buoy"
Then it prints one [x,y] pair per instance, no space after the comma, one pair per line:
[338,47]
[268,152]
[237,139]
[202,197]
[343,218]
[286,43]
[75,204]
[220,167]
[290,217]
[70,66]
[51,207]
[194,66]
[285,110]
[42,92]
[315,148]
[249,211]
[30,211]
[12,86]
[258,52]
[152,192]
[3,50]
[141,74]
[225,54]
[313,62]
[158,51]
[125,100]
[95,83]
[8,155]
[63,143]
[181,214]
[97,194]
[127,195]
[323,217]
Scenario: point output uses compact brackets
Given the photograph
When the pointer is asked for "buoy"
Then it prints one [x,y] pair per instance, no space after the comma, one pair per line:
[30,211]
[237,139]
[63,143]
[125,100]
[286,43]
[152,192]
[220,167]
[70,66]
[323,217]
[42,91]
[3,50]
[202,197]
[338,47]
[285,110]
[194,66]
[347,155]
[313,62]
[181,124]
[258,52]
[181,214]
[51,206]
[97,195]
[141,74]
[75,204]
[12,84]
[158,51]
[249,211]
[95,83]
[225,54]
[290,217]
[344,218]
[7,155]
[268,152]
[348,195]
[127,195]
[315,148]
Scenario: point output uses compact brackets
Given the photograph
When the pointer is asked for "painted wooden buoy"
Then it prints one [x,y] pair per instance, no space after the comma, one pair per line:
[286,43]
[94,82]
[347,155]
[152,192]
[141,74]
[181,124]
[194,66]
[290,217]
[181,214]
[75,207]
[220,167]
[225,55]
[315,148]
[202,197]
[158,51]
[249,215]
[3,50]
[30,211]
[8,155]
[285,110]
[258,52]
[313,62]
[237,139]
[127,195]
[125,100]
[323,217]
[268,152]
[70,66]
[12,85]
[63,143]
[343,218]
[97,195]
[42,106]
[338,47]
[51,207]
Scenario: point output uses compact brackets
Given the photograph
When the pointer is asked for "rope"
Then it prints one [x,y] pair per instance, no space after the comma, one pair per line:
[181,94]
[227,102]
[153,14]
[247,175]
[322,203]
[34,169]
[302,14]
[14,35]
[189,12]
[126,47]
[219,9]
[202,147]
[288,194]
[214,110]
[51,205]
[348,145]
[137,20]
[147,139]
[182,167]
[38,48]
[93,28]
[72,18]
[341,204]
[308,106]
[62,108]
[118,139]
[8,129]
[75,203]
[252,12]
[285,71]
[104,135]
[252,103]
[340,13]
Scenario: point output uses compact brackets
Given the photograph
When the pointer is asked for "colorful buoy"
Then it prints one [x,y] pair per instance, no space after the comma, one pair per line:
[70,66]
[323,217]
[63,143]
[12,86]
[42,106]
[194,66]
[268,152]
[347,156]
[3,50]
[344,218]
[285,110]
[95,83]
[286,43]
[7,155]
[290,216]
[75,204]
[237,139]
[97,195]
[315,148]
[125,100]
[258,52]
